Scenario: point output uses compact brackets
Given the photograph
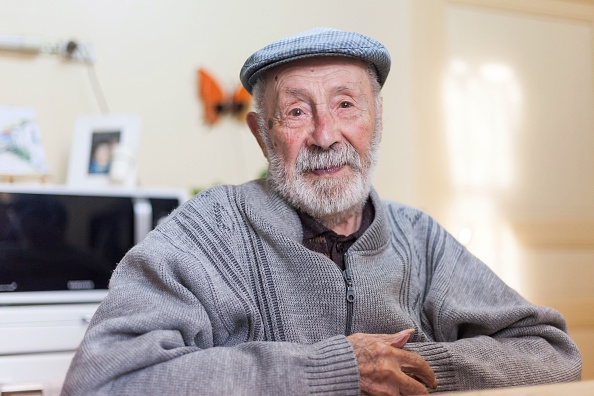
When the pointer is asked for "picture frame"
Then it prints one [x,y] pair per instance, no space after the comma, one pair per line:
[104,151]
[21,150]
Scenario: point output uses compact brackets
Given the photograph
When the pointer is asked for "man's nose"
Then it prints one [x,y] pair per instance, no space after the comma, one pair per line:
[325,130]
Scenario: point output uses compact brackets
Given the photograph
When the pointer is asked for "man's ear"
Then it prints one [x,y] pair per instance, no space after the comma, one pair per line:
[252,121]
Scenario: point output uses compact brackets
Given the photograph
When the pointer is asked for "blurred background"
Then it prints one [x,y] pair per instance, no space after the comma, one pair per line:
[488,112]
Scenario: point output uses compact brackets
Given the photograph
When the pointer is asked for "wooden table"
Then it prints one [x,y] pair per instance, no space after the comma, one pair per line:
[581,388]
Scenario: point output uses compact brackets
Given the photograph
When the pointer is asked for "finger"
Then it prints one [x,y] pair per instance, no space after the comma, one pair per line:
[410,386]
[397,340]
[424,376]
[416,367]
[401,338]
[430,382]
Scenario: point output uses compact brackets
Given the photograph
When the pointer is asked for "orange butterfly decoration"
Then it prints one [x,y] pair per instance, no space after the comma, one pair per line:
[217,103]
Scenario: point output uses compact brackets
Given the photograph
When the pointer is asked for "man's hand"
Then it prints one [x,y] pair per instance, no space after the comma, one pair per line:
[386,369]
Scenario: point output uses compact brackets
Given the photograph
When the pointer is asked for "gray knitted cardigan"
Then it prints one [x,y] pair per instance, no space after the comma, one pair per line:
[222,298]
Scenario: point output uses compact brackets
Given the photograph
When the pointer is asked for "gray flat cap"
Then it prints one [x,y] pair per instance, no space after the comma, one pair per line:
[312,43]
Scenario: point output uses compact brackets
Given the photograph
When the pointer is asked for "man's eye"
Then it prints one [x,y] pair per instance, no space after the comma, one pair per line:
[345,105]
[296,112]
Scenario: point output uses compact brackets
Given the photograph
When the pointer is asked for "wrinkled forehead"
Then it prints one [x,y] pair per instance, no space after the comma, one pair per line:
[304,71]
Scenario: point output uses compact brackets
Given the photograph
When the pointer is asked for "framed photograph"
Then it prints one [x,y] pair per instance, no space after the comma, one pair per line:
[104,151]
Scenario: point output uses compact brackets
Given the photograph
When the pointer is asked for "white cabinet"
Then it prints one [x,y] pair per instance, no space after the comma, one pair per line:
[37,343]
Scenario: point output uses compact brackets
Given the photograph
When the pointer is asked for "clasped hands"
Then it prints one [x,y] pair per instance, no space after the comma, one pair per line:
[387,369]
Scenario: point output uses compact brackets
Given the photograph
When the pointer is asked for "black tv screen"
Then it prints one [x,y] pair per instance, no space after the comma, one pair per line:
[69,242]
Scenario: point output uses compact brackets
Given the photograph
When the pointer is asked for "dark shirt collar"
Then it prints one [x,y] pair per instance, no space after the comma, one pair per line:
[312,228]
[322,240]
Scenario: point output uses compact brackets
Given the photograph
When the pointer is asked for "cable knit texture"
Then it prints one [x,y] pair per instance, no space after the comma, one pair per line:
[223,299]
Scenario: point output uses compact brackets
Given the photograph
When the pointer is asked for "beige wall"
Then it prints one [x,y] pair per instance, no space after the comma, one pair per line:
[509,163]
[147,53]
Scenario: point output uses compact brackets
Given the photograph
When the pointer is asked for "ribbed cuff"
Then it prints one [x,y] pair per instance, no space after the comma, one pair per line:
[440,361]
[332,368]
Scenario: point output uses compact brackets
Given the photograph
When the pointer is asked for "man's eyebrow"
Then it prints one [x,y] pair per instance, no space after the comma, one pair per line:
[298,92]
[341,88]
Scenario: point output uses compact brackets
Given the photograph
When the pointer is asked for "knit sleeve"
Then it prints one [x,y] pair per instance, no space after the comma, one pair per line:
[173,324]
[485,335]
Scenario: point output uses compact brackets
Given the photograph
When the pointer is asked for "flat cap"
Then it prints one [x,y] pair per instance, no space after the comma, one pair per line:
[316,42]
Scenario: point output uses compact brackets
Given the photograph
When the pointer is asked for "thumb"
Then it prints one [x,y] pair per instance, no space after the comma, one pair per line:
[401,338]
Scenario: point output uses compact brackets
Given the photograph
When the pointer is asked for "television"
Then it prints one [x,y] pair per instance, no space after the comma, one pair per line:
[59,244]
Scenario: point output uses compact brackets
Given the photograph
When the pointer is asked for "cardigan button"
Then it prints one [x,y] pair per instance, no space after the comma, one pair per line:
[339,247]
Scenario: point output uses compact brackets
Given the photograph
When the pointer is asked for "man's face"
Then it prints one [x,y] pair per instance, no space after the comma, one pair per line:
[321,134]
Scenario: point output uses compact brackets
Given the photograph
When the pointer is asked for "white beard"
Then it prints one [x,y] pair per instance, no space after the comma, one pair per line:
[329,199]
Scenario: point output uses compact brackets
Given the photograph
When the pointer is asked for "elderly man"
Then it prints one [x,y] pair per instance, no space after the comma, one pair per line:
[306,282]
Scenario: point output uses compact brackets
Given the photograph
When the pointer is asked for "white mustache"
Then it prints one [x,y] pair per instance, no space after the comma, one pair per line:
[314,158]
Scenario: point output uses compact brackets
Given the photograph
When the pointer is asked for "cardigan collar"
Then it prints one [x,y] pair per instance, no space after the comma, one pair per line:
[276,217]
